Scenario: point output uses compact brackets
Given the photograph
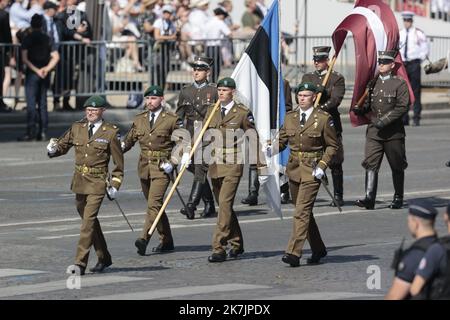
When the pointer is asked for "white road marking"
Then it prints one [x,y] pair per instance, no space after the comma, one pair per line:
[324,296]
[17,272]
[181,291]
[86,281]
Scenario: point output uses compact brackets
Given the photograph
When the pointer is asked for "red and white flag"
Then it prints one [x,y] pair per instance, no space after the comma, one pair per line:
[374,29]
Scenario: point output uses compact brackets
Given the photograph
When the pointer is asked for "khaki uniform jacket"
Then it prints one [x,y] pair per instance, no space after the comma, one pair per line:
[193,104]
[332,96]
[92,156]
[316,141]
[389,101]
[239,117]
[156,144]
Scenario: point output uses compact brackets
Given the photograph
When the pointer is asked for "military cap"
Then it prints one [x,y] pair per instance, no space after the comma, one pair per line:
[226,82]
[387,55]
[50,5]
[220,11]
[407,15]
[202,62]
[321,52]
[154,91]
[422,208]
[306,86]
[95,102]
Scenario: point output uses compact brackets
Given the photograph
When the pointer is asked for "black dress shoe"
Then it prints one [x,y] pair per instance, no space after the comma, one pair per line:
[447,164]
[82,269]
[397,203]
[234,253]
[251,200]
[141,245]
[217,257]
[365,203]
[315,257]
[26,137]
[163,248]
[100,266]
[190,211]
[291,259]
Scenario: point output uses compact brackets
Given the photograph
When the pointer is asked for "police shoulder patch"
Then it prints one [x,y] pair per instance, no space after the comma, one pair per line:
[423,263]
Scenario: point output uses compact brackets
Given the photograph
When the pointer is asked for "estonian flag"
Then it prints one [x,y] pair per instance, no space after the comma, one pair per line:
[260,87]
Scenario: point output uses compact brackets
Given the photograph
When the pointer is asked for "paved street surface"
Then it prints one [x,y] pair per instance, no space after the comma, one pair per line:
[39,230]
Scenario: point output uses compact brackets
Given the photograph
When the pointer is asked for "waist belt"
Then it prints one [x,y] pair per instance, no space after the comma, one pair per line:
[157,154]
[310,154]
[91,170]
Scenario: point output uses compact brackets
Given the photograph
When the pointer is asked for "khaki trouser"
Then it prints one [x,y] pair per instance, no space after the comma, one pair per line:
[227,227]
[304,225]
[154,190]
[394,150]
[91,233]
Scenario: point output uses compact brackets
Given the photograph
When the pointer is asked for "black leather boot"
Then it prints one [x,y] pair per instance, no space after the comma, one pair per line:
[207,197]
[253,188]
[338,186]
[447,164]
[371,191]
[398,178]
[194,199]
[285,197]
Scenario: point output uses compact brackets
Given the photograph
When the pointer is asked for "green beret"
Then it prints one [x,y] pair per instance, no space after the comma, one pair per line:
[306,86]
[154,91]
[95,102]
[226,82]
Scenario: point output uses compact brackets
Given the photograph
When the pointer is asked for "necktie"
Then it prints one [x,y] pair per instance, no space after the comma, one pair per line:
[223,112]
[303,121]
[91,130]
[406,45]
[152,120]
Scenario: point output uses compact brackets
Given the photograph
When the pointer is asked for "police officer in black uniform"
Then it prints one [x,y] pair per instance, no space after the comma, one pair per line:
[193,103]
[421,218]
[432,280]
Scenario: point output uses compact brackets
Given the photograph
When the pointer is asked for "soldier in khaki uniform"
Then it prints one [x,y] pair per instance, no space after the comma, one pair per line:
[153,130]
[311,137]
[226,169]
[332,95]
[95,142]
[386,104]
[193,103]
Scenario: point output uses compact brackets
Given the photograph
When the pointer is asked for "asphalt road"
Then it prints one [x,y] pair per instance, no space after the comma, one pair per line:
[39,230]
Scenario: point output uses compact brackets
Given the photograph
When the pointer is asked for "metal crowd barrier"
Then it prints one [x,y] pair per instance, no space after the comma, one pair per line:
[104,67]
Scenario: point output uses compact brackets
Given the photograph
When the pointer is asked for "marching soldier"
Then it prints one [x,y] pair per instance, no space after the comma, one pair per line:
[312,140]
[388,100]
[226,169]
[192,106]
[332,95]
[153,130]
[95,142]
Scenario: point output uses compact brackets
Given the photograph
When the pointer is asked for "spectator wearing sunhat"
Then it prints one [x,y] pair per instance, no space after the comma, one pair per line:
[421,219]
[414,49]
[193,102]
[153,130]
[309,132]
[95,142]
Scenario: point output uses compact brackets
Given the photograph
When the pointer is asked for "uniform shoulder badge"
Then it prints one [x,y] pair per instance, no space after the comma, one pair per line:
[83,120]
[331,123]
[242,107]
[142,113]
[250,117]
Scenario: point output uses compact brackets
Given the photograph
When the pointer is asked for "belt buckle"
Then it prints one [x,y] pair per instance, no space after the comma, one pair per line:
[85,169]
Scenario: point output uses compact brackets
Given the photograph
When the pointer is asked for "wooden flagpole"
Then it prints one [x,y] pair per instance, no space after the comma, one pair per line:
[183,168]
[325,80]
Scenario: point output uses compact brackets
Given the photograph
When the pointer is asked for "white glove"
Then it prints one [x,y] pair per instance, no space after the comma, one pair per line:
[318,173]
[262,180]
[185,159]
[52,146]
[122,145]
[167,167]
[112,192]
[268,149]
